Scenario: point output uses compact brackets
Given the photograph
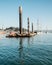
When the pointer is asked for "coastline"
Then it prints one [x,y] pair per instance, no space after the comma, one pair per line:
[2,32]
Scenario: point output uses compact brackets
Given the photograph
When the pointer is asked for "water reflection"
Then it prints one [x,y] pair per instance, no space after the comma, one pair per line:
[21,51]
[30,41]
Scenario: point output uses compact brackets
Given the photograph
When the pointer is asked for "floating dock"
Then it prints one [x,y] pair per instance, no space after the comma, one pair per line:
[20,35]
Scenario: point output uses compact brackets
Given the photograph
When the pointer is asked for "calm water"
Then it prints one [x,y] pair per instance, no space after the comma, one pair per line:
[36,50]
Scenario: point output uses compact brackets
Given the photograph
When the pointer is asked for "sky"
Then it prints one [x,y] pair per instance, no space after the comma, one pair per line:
[40,10]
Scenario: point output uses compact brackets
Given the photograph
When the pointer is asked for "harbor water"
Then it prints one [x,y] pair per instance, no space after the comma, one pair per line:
[36,50]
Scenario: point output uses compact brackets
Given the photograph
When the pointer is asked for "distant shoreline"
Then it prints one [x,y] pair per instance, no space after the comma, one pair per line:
[2,32]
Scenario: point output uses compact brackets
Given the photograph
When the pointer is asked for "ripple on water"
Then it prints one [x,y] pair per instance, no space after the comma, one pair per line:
[26,51]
